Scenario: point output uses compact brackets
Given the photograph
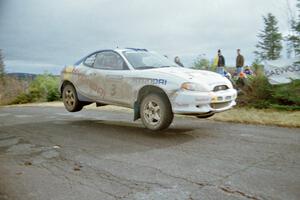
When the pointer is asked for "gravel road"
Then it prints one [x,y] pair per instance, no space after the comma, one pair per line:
[48,153]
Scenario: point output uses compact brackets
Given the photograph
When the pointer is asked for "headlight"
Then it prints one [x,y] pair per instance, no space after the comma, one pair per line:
[193,87]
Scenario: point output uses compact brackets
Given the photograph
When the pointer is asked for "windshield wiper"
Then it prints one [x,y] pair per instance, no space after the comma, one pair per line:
[145,67]
[164,66]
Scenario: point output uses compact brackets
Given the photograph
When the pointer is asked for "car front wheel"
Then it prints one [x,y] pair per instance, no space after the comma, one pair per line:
[71,102]
[156,112]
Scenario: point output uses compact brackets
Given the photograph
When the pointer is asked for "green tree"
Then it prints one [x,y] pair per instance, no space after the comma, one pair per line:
[42,88]
[45,87]
[201,63]
[294,37]
[269,45]
[2,69]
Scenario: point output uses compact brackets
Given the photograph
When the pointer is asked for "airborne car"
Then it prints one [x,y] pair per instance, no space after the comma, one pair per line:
[152,85]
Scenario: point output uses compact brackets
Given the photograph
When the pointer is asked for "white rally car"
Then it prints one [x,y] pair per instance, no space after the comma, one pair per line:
[152,85]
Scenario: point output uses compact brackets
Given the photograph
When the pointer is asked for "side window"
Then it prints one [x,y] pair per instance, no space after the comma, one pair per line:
[89,61]
[109,61]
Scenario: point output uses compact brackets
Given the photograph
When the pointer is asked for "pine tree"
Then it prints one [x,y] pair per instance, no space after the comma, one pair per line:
[269,45]
[2,70]
[294,38]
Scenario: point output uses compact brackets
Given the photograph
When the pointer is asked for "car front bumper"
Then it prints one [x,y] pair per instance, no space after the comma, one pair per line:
[197,103]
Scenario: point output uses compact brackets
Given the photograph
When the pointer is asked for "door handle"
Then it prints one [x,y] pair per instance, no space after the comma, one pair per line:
[114,77]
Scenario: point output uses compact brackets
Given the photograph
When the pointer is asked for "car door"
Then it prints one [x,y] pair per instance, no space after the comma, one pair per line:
[110,77]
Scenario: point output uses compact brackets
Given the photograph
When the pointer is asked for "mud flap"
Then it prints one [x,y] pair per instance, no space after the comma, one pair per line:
[136,110]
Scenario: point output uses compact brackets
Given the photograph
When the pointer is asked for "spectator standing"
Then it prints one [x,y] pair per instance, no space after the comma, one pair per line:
[221,63]
[177,61]
[239,62]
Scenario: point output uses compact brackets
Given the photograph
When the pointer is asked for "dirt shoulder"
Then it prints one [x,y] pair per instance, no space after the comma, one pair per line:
[237,115]
[262,117]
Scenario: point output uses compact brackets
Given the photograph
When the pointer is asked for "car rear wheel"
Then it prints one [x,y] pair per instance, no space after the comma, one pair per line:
[156,112]
[71,102]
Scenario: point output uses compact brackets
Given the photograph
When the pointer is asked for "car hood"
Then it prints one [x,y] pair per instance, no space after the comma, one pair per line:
[208,78]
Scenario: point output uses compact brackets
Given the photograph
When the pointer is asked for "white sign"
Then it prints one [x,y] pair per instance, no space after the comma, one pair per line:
[282,70]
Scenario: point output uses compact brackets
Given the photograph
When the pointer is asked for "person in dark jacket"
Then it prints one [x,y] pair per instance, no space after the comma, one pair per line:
[177,61]
[239,62]
[221,63]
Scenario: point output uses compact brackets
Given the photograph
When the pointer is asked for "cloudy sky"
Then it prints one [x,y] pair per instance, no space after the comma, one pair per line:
[38,35]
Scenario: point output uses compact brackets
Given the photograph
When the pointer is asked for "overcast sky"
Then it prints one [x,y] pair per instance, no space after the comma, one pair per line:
[40,34]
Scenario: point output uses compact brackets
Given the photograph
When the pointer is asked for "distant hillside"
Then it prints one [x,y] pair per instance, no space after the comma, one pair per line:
[23,76]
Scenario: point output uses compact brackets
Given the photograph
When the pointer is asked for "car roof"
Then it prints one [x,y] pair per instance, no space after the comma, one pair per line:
[119,50]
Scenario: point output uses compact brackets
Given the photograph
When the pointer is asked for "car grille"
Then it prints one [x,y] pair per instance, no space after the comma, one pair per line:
[220,105]
[220,87]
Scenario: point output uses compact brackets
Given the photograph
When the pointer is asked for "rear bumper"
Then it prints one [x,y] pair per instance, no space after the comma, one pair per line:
[197,103]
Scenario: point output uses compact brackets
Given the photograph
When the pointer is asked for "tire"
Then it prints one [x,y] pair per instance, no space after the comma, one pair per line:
[156,112]
[70,99]
[205,116]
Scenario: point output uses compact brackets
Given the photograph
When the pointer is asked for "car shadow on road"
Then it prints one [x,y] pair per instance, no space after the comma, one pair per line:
[111,136]
[133,133]
[133,128]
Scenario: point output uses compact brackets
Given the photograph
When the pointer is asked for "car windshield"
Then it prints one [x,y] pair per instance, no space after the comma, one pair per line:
[147,60]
